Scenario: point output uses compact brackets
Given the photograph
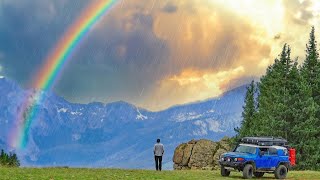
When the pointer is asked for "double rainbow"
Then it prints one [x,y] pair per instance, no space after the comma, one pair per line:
[54,64]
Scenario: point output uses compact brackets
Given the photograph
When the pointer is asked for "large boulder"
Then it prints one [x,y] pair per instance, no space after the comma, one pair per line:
[178,154]
[225,143]
[182,155]
[199,154]
[202,154]
[187,154]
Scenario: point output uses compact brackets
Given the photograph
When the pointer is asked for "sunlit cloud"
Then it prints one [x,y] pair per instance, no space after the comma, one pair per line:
[191,85]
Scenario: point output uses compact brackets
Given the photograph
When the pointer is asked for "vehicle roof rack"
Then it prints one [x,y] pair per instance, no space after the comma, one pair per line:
[265,141]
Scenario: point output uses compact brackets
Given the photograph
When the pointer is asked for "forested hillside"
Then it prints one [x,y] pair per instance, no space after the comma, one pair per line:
[286,103]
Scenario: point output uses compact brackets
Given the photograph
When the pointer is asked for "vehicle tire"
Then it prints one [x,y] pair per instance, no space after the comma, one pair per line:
[281,172]
[248,171]
[224,171]
[258,174]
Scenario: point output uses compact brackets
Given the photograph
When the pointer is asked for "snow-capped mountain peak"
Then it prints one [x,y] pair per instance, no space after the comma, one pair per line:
[107,135]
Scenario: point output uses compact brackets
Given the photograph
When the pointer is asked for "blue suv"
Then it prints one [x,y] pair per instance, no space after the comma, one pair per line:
[255,156]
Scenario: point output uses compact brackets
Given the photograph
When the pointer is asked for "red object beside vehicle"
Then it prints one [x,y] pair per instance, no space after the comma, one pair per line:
[292,156]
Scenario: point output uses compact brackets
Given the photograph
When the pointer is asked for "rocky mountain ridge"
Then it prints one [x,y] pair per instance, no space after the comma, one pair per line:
[117,134]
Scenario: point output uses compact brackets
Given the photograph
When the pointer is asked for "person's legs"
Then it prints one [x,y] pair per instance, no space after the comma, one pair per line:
[156,161]
[160,162]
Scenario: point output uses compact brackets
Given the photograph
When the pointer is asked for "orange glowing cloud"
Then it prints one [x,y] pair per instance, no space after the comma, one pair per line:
[191,85]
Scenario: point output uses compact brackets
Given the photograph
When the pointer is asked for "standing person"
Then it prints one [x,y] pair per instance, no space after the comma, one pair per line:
[158,151]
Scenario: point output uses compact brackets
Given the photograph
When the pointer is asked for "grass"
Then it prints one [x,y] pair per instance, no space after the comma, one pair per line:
[110,174]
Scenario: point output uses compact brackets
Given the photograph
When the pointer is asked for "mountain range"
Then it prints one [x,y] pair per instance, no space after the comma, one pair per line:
[118,134]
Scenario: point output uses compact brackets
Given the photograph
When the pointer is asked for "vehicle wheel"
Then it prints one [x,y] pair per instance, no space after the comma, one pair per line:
[224,171]
[258,174]
[248,171]
[281,172]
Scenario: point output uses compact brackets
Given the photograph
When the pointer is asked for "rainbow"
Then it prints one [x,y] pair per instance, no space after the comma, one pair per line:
[53,66]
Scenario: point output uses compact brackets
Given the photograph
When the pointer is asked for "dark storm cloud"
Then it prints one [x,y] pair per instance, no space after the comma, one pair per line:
[116,64]
[28,31]
[110,63]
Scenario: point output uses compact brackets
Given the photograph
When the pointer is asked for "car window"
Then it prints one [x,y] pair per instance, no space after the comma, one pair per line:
[265,150]
[245,149]
[273,151]
[269,151]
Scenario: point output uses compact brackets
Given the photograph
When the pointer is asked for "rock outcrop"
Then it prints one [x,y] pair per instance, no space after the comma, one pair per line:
[199,154]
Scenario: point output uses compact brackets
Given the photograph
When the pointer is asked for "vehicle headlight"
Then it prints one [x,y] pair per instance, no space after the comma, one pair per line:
[235,159]
[222,159]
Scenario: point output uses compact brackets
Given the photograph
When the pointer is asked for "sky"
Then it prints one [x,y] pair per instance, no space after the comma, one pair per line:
[152,53]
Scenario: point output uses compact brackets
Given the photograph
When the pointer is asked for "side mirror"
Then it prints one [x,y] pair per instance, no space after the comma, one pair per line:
[261,153]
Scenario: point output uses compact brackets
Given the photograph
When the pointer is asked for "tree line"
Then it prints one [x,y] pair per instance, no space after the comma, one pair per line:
[286,103]
[9,160]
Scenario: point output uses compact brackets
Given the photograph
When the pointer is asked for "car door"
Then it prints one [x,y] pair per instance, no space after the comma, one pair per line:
[263,161]
[273,153]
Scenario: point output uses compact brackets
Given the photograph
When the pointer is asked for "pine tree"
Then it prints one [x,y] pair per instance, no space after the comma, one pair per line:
[310,72]
[310,67]
[272,97]
[288,105]
[13,160]
[301,116]
[248,114]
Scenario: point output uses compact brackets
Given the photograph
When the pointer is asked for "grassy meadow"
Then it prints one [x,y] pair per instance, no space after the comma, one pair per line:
[110,174]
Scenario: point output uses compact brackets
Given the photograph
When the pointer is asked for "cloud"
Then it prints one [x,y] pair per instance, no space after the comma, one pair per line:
[191,85]
[299,12]
[122,55]
[204,39]
[154,53]
[300,15]
[29,30]
[138,45]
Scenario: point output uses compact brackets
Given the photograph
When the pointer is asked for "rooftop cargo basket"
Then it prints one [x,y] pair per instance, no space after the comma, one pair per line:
[265,141]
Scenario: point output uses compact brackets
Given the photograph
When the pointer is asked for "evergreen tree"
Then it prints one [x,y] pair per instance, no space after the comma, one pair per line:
[13,160]
[2,156]
[301,116]
[248,114]
[310,72]
[10,160]
[288,105]
[273,95]
[310,69]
